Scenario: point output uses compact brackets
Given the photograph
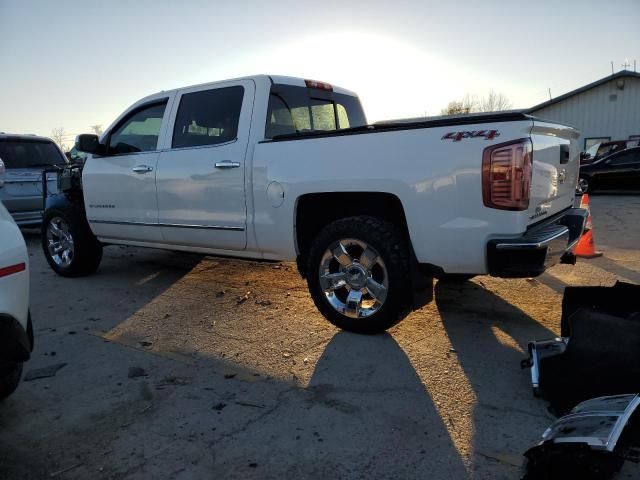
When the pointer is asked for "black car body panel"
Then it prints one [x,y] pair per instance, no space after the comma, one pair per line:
[620,170]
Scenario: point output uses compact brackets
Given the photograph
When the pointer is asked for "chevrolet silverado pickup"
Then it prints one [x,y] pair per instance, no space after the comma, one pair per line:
[283,169]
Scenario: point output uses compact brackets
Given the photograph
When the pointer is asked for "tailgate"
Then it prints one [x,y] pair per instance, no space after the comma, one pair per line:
[22,190]
[556,162]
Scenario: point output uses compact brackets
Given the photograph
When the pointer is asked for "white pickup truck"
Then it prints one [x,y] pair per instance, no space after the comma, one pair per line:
[282,169]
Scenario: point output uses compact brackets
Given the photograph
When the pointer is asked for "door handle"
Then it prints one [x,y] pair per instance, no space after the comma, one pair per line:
[142,169]
[227,164]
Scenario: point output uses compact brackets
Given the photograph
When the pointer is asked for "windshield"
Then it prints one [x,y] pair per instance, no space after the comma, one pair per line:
[29,153]
[593,149]
[299,110]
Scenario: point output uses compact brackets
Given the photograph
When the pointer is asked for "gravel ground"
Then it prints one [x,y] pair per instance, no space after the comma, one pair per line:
[179,366]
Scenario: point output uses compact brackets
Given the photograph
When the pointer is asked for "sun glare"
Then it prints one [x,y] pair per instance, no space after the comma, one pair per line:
[393,78]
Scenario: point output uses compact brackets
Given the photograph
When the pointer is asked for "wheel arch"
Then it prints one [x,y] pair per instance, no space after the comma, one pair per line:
[314,211]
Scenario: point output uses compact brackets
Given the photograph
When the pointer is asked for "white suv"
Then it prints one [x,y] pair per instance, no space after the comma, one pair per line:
[16,331]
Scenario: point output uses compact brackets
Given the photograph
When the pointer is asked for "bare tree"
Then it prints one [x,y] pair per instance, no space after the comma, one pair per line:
[97,129]
[493,102]
[58,135]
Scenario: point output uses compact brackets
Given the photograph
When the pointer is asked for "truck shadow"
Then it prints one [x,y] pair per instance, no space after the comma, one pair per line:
[365,390]
[490,337]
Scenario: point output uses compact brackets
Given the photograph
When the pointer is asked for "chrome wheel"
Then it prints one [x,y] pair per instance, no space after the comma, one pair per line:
[583,185]
[60,242]
[354,278]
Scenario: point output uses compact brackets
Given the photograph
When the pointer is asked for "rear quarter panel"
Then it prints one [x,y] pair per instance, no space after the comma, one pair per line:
[437,180]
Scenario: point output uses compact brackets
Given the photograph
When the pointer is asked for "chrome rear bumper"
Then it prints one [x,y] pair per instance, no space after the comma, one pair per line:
[541,247]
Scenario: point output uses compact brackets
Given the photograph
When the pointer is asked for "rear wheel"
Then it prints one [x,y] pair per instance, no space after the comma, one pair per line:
[358,274]
[10,373]
[69,246]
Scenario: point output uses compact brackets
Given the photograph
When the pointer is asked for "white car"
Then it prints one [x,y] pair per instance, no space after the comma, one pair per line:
[281,168]
[16,331]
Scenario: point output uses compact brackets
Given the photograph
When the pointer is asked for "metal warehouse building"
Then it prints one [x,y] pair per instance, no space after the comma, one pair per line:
[608,109]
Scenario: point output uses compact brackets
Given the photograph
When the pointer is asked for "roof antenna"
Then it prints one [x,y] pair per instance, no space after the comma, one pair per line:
[549,93]
[611,67]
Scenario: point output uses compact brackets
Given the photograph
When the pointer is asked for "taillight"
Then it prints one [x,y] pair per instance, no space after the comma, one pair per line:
[319,85]
[5,271]
[506,175]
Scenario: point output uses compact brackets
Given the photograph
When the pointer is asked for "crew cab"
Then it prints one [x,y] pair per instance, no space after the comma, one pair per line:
[282,169]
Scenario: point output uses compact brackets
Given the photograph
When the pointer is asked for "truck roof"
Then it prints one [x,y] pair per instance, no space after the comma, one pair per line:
[23,137]
[262,78]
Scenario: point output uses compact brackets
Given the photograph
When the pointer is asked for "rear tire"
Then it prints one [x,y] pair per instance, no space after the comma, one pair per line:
[69,246]
[369,289]
[10,374]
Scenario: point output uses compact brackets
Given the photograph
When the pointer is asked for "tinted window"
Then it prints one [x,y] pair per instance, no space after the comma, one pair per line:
[626,158]
[139,132]
[299,110]
[25,154]
[208,117]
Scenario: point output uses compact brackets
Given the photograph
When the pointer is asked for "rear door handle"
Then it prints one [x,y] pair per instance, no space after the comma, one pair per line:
[142,169]
[227,164]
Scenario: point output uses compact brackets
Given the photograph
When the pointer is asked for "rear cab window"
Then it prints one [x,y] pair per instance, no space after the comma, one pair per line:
[302,110]
[27,153]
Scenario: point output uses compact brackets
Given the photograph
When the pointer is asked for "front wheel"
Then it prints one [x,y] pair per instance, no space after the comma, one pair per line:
[358,274]
[69,246]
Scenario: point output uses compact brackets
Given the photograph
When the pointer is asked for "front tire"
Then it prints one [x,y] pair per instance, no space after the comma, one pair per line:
[358,274]
[69,246]
[10,374]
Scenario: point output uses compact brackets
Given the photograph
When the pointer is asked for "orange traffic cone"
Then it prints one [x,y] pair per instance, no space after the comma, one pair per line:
[586,247]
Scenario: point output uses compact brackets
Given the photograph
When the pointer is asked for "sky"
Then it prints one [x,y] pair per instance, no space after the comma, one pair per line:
[77,63]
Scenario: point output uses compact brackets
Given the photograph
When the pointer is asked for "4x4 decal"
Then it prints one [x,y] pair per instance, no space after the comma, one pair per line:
[486,134]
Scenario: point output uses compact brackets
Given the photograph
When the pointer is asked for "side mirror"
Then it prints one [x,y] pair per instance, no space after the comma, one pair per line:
[2,171]
[89,143]
[584,156]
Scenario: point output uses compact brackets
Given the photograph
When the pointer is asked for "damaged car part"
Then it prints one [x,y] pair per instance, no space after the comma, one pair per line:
[599,357]
[590,443]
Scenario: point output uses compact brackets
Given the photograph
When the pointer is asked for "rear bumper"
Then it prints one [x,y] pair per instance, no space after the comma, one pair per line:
[27,218]
[541,247]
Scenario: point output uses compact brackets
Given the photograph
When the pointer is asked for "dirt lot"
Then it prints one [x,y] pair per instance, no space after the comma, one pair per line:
[242,378]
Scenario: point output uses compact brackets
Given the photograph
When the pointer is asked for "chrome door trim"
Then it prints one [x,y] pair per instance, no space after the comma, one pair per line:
[172,225]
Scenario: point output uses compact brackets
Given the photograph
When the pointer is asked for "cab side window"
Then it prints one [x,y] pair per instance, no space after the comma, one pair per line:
[139,132]
[209,117]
